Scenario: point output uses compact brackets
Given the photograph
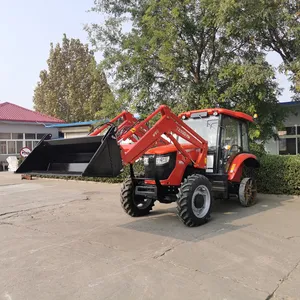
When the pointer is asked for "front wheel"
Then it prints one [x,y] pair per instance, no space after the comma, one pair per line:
[134,205]
[194,200]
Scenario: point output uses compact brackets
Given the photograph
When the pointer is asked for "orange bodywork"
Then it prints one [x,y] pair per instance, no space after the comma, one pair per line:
[129,121]
[193,152]
[224,111]
[236,167]
[175,177]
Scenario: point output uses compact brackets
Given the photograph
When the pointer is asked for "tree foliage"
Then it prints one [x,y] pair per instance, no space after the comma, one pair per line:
[74,85]
[272,25]
[191,54]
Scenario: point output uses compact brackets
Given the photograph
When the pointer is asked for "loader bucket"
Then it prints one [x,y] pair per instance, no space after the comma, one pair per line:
[93,156]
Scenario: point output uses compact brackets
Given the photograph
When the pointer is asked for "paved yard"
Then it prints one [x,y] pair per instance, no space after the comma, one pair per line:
[71,240]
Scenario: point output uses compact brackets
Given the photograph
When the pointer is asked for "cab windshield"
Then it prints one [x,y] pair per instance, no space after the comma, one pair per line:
[207,128]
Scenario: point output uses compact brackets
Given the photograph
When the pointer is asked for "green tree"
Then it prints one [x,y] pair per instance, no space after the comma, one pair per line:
[74,85]
[179,53]
[272,25]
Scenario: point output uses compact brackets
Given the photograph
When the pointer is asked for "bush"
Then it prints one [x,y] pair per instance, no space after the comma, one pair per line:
[138,168]
[257,149]
[279,174]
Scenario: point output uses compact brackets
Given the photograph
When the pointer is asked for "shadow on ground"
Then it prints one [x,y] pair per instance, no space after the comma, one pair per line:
[165,222]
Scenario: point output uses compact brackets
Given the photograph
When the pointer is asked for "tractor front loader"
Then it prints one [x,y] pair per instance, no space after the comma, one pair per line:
[80,156]
[204,158]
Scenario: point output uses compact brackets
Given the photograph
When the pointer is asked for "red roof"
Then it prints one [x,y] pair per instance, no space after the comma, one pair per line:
[15,113]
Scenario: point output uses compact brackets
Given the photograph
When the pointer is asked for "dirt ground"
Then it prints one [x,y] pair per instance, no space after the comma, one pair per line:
[72,240]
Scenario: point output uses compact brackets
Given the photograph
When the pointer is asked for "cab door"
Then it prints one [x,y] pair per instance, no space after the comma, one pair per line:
[231,141]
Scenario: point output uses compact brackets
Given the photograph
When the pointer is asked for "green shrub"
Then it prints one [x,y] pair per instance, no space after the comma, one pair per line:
[279,174]
[20,160]
[138,168]
[257,149]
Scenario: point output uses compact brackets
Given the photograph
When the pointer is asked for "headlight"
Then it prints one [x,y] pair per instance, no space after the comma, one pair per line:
[161,160]
[146,160]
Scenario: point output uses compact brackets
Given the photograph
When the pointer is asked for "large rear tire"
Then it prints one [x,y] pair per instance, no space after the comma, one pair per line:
[194,200]
[247,192]
[133,205]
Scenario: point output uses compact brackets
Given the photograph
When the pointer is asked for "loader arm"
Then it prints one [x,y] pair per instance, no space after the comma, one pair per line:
[168,125]
[128,121]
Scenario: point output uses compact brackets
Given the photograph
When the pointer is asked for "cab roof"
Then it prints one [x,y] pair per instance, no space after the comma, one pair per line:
[219,111]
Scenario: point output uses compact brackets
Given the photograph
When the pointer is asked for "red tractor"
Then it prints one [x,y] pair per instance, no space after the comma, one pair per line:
[204,158]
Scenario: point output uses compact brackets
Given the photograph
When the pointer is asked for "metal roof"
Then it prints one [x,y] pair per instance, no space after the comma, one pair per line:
[15,113]
[75,124]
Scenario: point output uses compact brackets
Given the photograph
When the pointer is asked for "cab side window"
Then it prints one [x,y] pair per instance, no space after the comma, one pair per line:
[245,141]
[230,133]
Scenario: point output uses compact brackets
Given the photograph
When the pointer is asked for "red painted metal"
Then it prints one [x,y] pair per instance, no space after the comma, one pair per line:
[169,124]
[128,123]
[224,111]
[236,167]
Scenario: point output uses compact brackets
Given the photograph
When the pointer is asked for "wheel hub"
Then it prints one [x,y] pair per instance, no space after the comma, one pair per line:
[142,203]
[199,201]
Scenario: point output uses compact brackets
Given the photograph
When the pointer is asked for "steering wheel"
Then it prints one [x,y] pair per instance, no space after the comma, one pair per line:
[233,146]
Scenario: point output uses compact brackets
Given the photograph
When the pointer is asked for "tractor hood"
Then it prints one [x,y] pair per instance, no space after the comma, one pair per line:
[168,149]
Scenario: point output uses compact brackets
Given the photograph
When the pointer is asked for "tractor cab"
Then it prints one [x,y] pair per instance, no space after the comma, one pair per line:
[225,131]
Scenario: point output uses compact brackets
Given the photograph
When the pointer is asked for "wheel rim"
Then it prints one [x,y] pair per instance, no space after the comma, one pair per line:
[201,201]
[250,191]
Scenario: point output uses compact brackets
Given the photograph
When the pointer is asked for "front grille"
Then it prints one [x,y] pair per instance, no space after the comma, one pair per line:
[160,172]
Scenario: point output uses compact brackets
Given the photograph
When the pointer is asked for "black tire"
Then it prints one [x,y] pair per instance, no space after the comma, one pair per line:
[187,209]
[247,192]
[130,202]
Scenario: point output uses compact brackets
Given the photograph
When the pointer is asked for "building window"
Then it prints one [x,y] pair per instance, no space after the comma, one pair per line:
[289,140]
[291,130]
[5,136]
[29,136]
[11,147]
[17,136]
[287,146]
[19,146]
[12,143]
[40,135]
[3,147]
[28,144]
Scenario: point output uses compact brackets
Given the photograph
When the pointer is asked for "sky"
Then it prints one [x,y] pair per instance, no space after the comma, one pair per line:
[28,27]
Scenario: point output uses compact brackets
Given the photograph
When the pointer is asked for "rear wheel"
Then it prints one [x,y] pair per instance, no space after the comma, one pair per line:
[247,191]
[194,200]
[134,205]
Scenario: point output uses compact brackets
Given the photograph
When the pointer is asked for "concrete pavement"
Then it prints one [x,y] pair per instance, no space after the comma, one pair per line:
[72,240]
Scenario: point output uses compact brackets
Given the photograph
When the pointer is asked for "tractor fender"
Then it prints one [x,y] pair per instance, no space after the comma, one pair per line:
[236,167]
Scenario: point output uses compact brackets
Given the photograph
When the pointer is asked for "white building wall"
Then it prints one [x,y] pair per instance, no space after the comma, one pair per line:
[293,119]
[27,128]
[272,147]
[75,131]
[14,127]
